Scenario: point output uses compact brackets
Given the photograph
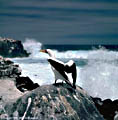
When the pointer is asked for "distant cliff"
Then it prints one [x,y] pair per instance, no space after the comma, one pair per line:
[52,102]
[12,48]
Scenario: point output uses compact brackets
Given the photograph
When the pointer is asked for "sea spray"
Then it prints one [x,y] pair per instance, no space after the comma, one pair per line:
[32,46]
[100,76]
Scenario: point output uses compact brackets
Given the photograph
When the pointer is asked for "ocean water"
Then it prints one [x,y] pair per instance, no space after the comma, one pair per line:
[97,69]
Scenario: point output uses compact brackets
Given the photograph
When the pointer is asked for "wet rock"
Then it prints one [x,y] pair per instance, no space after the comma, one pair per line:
[107,108]
[8,68]
[52,102]
[25,84]
[12,48]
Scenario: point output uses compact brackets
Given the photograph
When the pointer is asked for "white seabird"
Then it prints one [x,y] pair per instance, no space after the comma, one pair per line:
[62,70]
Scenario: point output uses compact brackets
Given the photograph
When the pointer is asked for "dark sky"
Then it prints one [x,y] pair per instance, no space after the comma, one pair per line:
[60,21]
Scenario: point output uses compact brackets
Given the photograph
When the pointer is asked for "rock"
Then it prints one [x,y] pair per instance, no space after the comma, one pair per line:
[8,68]
[107,108]
[8,90]
[12,48]
[52,102]
[10,80]
[25,83]
[8,93]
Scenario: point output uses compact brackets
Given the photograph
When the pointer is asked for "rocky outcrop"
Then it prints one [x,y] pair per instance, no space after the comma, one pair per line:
[52,102]
[107,108]
[12,85]
[12,48]
[8,74]
[8,68]
[25,84]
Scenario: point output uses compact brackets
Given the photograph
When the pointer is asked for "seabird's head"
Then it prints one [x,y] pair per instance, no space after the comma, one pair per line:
[44,51]
[49,52]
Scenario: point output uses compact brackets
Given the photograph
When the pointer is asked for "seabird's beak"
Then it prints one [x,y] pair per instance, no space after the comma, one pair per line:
[44,51]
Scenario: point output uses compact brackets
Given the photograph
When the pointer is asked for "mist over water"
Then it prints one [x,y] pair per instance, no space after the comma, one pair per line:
[97,70]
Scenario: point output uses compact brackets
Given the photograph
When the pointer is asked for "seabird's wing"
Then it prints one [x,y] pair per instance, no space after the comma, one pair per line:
[70,67]
[60,67]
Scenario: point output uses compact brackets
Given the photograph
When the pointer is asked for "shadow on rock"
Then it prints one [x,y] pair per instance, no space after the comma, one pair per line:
[25,84]
[107,108]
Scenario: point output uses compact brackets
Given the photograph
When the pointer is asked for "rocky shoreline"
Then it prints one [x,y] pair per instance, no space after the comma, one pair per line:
[20,98]
[12,48]
[47,102]
[11,83]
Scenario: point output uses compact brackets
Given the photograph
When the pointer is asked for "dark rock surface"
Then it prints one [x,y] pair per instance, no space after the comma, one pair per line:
[52,102]
[12,48]
[107,108]
[8,68]
[25,83]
